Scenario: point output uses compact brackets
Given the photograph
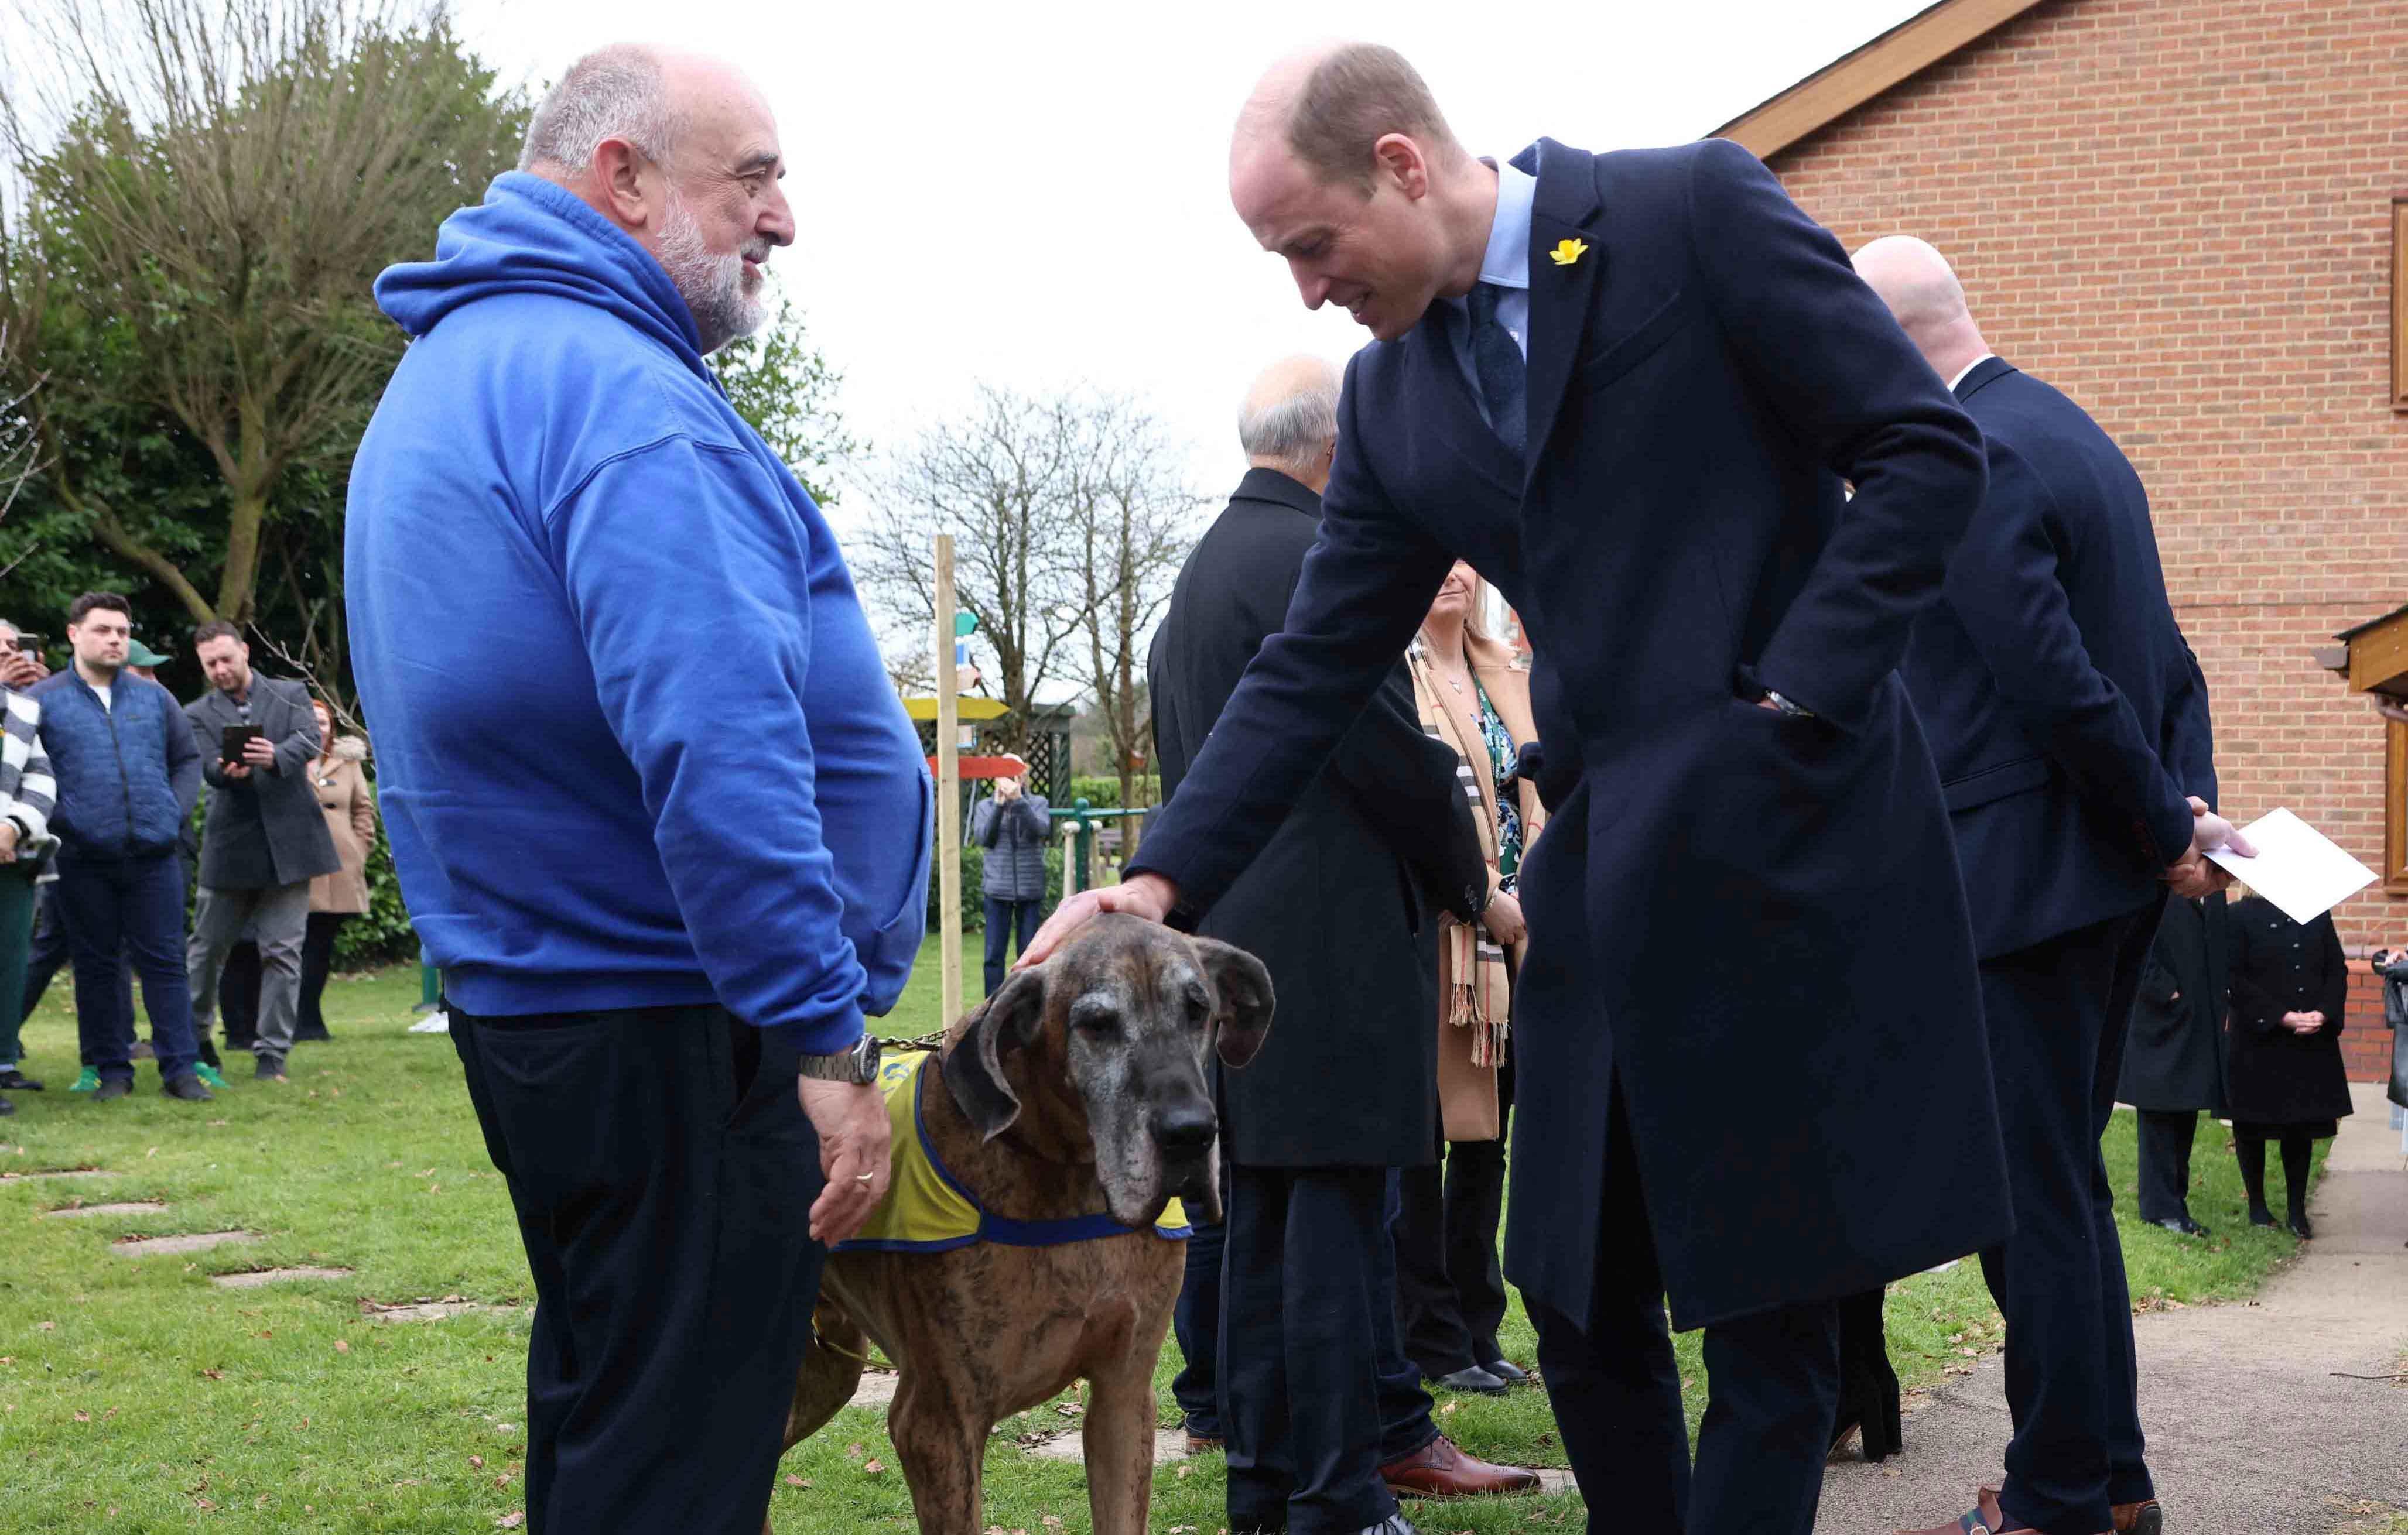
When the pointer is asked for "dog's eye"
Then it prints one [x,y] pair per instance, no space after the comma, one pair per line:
[1102,1022]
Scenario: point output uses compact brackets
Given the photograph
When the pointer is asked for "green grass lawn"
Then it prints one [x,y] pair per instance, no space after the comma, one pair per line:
[134,1395]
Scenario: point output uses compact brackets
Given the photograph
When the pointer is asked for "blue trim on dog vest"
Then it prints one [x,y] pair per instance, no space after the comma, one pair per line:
[984,1224]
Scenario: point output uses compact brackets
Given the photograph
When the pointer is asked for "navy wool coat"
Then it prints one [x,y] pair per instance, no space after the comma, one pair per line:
[1747,928]
[2065,711]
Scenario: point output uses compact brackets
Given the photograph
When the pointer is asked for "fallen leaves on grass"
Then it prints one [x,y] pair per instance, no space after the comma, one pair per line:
[342,1345]
[512,1520]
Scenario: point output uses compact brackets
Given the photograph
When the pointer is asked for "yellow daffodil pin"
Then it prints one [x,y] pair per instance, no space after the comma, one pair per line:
[1567,251]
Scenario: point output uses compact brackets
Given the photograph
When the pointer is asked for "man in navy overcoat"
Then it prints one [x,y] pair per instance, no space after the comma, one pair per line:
[1629,388]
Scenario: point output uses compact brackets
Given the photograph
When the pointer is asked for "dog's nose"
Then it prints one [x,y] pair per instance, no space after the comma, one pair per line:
[1184,1126]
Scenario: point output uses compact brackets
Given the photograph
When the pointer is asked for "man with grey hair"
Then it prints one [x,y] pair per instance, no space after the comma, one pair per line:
[1320,1412]
[664,890]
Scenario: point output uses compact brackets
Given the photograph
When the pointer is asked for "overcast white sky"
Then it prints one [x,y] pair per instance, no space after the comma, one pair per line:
[1035,193]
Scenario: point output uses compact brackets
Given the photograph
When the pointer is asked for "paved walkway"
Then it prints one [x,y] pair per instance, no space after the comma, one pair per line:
[2252,1429]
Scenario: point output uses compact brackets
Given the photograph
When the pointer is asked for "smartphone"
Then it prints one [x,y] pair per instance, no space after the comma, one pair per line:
[231,741]
[32,645]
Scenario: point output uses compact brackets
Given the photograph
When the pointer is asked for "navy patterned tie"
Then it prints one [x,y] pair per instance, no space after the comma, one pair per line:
[1498,361]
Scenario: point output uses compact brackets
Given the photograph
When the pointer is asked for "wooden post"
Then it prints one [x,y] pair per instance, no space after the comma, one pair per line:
[948,792]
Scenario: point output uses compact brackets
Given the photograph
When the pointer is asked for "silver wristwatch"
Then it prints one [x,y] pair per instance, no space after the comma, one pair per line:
[857,1064]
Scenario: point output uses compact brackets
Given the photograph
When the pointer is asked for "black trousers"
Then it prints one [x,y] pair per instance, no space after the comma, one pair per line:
[1450,1288]
[238,983]
[2058,1014]
[2165,1140]
[663,1173]
[1616,1393]
[1315,1393]
[1869,1396]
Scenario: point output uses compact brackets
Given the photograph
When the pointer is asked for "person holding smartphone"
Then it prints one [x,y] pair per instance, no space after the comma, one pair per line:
[266,838]
[27,793]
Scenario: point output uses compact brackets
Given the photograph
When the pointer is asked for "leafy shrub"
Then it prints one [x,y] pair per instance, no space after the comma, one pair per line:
[381,935]
[1105,793]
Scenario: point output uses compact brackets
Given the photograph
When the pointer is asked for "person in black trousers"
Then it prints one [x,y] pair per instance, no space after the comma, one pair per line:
[1342,909]
[2174,1066]
[2290,982]
[2067,721]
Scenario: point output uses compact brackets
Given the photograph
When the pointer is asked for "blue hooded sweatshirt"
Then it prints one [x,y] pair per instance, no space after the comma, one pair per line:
[636,745]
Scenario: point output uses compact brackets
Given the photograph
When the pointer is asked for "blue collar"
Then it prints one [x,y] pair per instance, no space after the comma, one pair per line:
[1507,262]
[1003,1229]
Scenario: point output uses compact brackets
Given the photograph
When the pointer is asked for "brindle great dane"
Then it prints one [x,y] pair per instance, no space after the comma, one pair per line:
[1077,1088]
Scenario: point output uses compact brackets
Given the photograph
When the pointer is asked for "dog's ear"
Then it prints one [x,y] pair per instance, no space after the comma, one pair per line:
[973,1067]
[1242,992]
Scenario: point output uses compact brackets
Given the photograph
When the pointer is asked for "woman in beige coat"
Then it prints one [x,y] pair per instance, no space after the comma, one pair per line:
[1474,693]
[349,809]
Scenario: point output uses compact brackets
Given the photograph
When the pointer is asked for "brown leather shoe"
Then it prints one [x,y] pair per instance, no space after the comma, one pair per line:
[1440,1470]
[2141,1518]
[1987,1519]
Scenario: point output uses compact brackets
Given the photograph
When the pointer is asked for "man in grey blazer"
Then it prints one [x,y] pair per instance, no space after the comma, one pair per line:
[264,839]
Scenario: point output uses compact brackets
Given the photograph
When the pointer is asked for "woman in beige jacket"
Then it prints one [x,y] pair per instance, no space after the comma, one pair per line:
[1474,693]
[349,808]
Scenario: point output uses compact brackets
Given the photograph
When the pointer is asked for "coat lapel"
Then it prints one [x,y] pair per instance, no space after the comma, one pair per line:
[1565,208]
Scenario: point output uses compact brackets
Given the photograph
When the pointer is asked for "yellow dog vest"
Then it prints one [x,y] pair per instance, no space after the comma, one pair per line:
[926,1210]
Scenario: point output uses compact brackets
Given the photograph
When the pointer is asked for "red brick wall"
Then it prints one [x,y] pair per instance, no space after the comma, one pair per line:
[2365,1044]
[2178,211]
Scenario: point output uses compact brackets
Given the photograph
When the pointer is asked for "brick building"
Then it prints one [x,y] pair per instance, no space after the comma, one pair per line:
[2181,213]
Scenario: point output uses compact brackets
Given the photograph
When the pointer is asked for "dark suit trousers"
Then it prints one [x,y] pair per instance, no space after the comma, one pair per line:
[2165,1138]
[2058,1014]
[1616,1393]
[1450,1288]
[663,1173]
[1303,1285]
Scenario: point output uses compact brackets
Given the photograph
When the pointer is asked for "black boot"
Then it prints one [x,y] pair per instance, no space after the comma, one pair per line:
[2250,1152]
[2297,1149]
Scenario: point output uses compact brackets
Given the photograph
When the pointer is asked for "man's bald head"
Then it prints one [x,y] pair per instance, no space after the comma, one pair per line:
[1343,167]
[1921,289]
[1289,422]
[1330,103]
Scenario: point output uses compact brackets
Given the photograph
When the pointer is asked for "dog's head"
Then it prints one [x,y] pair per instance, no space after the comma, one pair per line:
[1100,1052]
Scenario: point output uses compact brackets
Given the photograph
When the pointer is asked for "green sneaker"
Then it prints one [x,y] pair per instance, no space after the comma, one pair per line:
[88,1082]
[208,1074]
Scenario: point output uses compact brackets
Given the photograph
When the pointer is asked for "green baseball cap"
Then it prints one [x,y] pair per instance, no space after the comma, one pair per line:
[140,654]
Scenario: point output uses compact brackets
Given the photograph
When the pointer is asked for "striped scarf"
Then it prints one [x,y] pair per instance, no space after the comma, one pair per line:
[28,793]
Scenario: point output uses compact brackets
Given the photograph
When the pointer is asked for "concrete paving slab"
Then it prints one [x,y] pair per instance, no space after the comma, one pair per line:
[130,1207]
[198,1242]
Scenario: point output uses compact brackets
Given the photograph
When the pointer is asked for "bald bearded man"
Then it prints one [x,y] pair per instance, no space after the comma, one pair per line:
[664,880]
[2070,728]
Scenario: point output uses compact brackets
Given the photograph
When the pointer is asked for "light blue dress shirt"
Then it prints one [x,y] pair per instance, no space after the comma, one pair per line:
[1506,265]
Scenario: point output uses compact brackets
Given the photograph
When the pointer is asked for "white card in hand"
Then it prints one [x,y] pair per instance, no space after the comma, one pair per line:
[2297,867]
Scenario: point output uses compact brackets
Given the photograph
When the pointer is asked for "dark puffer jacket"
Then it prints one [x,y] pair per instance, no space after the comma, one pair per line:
[1013,833]
[127,771]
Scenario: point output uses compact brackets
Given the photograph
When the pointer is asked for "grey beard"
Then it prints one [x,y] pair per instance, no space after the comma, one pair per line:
[713,285]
